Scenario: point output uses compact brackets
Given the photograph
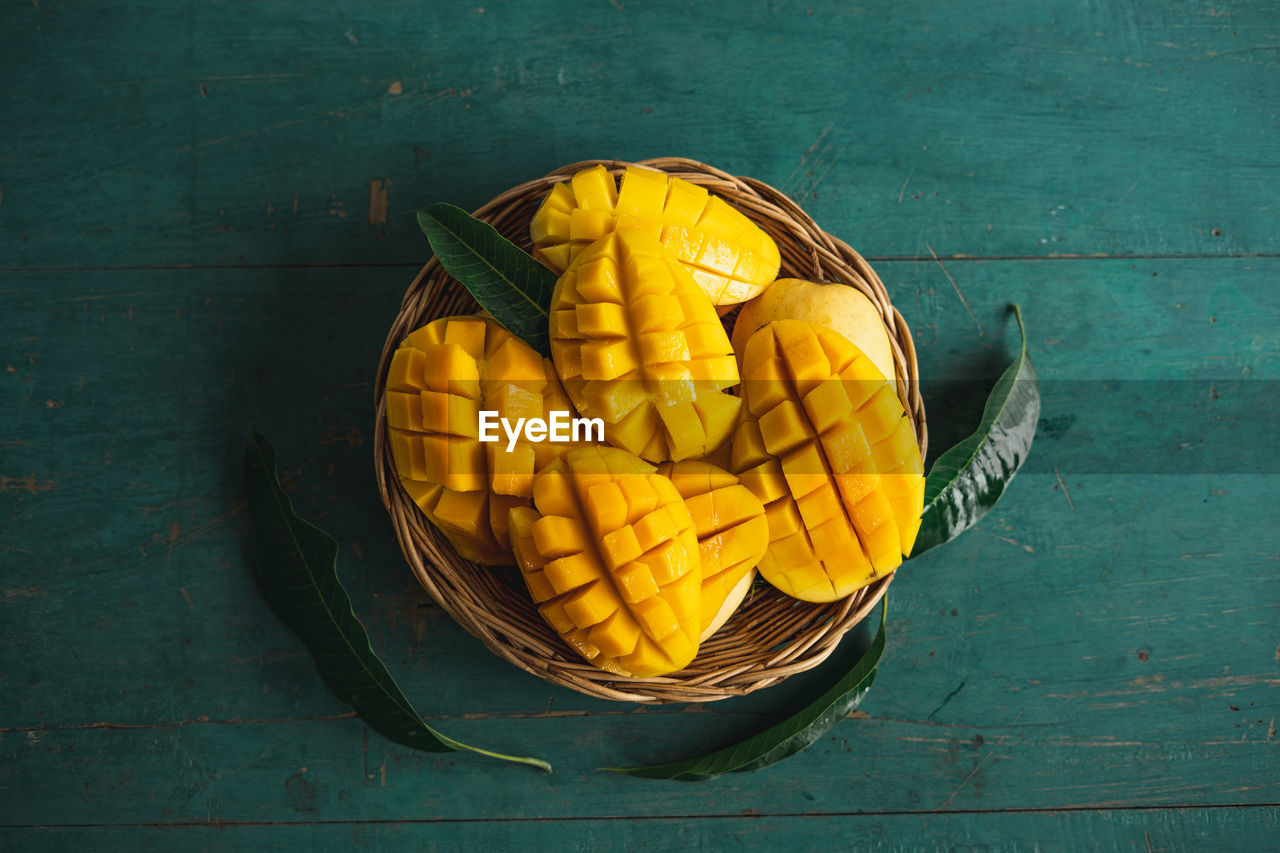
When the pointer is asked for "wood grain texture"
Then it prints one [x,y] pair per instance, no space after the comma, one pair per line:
[148,132]
[1164,830]
[1096,665]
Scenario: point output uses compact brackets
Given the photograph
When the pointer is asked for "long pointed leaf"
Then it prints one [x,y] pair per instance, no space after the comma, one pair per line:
[967,481]
[784,739]
[503,278]
[297,564]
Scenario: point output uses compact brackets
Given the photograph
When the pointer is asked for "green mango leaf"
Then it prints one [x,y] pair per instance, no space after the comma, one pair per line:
[787,737]
[504,279]
[297,564]
[967,481]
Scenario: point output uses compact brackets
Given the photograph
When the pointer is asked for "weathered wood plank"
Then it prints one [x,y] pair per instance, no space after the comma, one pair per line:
[1165,830]
[334,770]
[147,132]
[1117,649]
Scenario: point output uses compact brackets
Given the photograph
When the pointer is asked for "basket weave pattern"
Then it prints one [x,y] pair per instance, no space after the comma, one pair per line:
[771,636]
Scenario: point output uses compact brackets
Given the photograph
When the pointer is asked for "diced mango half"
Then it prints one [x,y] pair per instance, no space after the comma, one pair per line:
[475,523]
[826,446]
[610,555]
[728,256]
[732,531]
[441,377]
[639,346]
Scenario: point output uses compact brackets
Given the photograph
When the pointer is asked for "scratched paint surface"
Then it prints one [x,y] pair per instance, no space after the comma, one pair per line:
[202,226]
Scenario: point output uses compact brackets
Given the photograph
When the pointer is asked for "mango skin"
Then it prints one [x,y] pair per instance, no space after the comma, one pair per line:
[729,257]
[827,448]
[843,309]
[638,345]
[440,377]
[732,534]
[610,556]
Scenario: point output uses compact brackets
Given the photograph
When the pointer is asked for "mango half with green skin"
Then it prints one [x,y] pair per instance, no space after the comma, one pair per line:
[441,377]
[638,345]
[728,256]
[827,448]
[610,556]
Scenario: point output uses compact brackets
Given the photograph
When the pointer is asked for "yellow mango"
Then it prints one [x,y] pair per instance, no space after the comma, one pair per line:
[732,534]
[441,377]
[843,309]
[639,346]
[474,522]
[827,448]
[729,257]
[610,556]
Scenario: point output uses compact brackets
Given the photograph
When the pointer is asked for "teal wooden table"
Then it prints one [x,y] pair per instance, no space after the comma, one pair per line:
[202,226]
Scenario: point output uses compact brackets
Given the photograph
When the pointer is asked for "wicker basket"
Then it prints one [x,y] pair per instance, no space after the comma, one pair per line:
[771,636]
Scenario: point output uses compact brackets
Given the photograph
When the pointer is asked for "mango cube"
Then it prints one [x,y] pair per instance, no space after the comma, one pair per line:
[827,448]
[631,342]
[730,524]
[441,377]
[727,255]
[610,555]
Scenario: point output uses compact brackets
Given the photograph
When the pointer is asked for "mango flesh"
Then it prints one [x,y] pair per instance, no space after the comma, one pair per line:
[731,528]
[610,556]
[639,346]
[441,377]
[729,257]
[731,603]
[843,309]
[827,448]
[475,523]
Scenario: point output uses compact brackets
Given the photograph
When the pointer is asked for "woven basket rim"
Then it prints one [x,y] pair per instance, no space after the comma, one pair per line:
[771,636]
